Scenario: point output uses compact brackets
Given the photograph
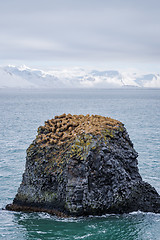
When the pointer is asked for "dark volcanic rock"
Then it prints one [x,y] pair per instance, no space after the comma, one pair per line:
[81,165]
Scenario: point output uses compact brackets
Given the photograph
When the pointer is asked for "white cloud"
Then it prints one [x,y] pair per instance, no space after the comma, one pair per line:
[60,30]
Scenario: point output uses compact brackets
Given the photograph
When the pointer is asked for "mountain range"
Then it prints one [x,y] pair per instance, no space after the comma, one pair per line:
[25,77]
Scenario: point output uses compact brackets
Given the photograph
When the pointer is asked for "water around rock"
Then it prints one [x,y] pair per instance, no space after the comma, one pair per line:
[82,165]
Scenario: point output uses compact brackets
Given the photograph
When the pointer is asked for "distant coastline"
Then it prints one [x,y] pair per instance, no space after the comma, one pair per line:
[26,78]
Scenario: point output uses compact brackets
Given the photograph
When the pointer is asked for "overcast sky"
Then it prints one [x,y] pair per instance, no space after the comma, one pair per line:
[124,33]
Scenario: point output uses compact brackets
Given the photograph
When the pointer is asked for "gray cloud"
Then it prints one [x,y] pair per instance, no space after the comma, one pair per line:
[89,30]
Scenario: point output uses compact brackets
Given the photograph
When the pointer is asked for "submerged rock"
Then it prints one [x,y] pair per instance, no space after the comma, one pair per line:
[82,165]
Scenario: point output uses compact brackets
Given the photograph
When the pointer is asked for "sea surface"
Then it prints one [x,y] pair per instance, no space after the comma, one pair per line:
[22,111]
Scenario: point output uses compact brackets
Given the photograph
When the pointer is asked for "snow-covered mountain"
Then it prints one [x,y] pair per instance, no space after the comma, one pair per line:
[9,80]
[24,77]
[34,77]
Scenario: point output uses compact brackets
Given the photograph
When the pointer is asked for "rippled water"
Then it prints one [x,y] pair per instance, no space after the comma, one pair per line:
[21,114]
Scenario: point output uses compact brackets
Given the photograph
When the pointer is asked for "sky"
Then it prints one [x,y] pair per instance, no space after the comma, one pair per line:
[106,34]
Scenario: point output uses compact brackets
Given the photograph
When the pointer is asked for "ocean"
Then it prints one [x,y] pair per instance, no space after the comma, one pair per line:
[23,111]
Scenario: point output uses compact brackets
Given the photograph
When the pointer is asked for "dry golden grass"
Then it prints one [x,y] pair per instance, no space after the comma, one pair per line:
[66,127]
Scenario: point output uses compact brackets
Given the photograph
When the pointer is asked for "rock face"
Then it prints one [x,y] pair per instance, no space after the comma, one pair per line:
[82,165]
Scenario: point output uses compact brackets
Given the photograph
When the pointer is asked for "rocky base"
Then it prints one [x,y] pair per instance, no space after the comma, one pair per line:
[22,208]
[83,165]
[142,197]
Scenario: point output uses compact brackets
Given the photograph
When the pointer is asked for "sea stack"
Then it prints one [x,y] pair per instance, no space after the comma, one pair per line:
[83,165]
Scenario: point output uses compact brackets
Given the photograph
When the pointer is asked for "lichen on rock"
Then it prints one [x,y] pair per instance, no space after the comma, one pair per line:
[82,165]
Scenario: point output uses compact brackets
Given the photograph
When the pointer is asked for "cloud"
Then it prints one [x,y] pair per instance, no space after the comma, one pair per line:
[80,30]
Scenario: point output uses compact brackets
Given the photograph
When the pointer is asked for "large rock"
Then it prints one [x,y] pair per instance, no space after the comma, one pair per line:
[82,165]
